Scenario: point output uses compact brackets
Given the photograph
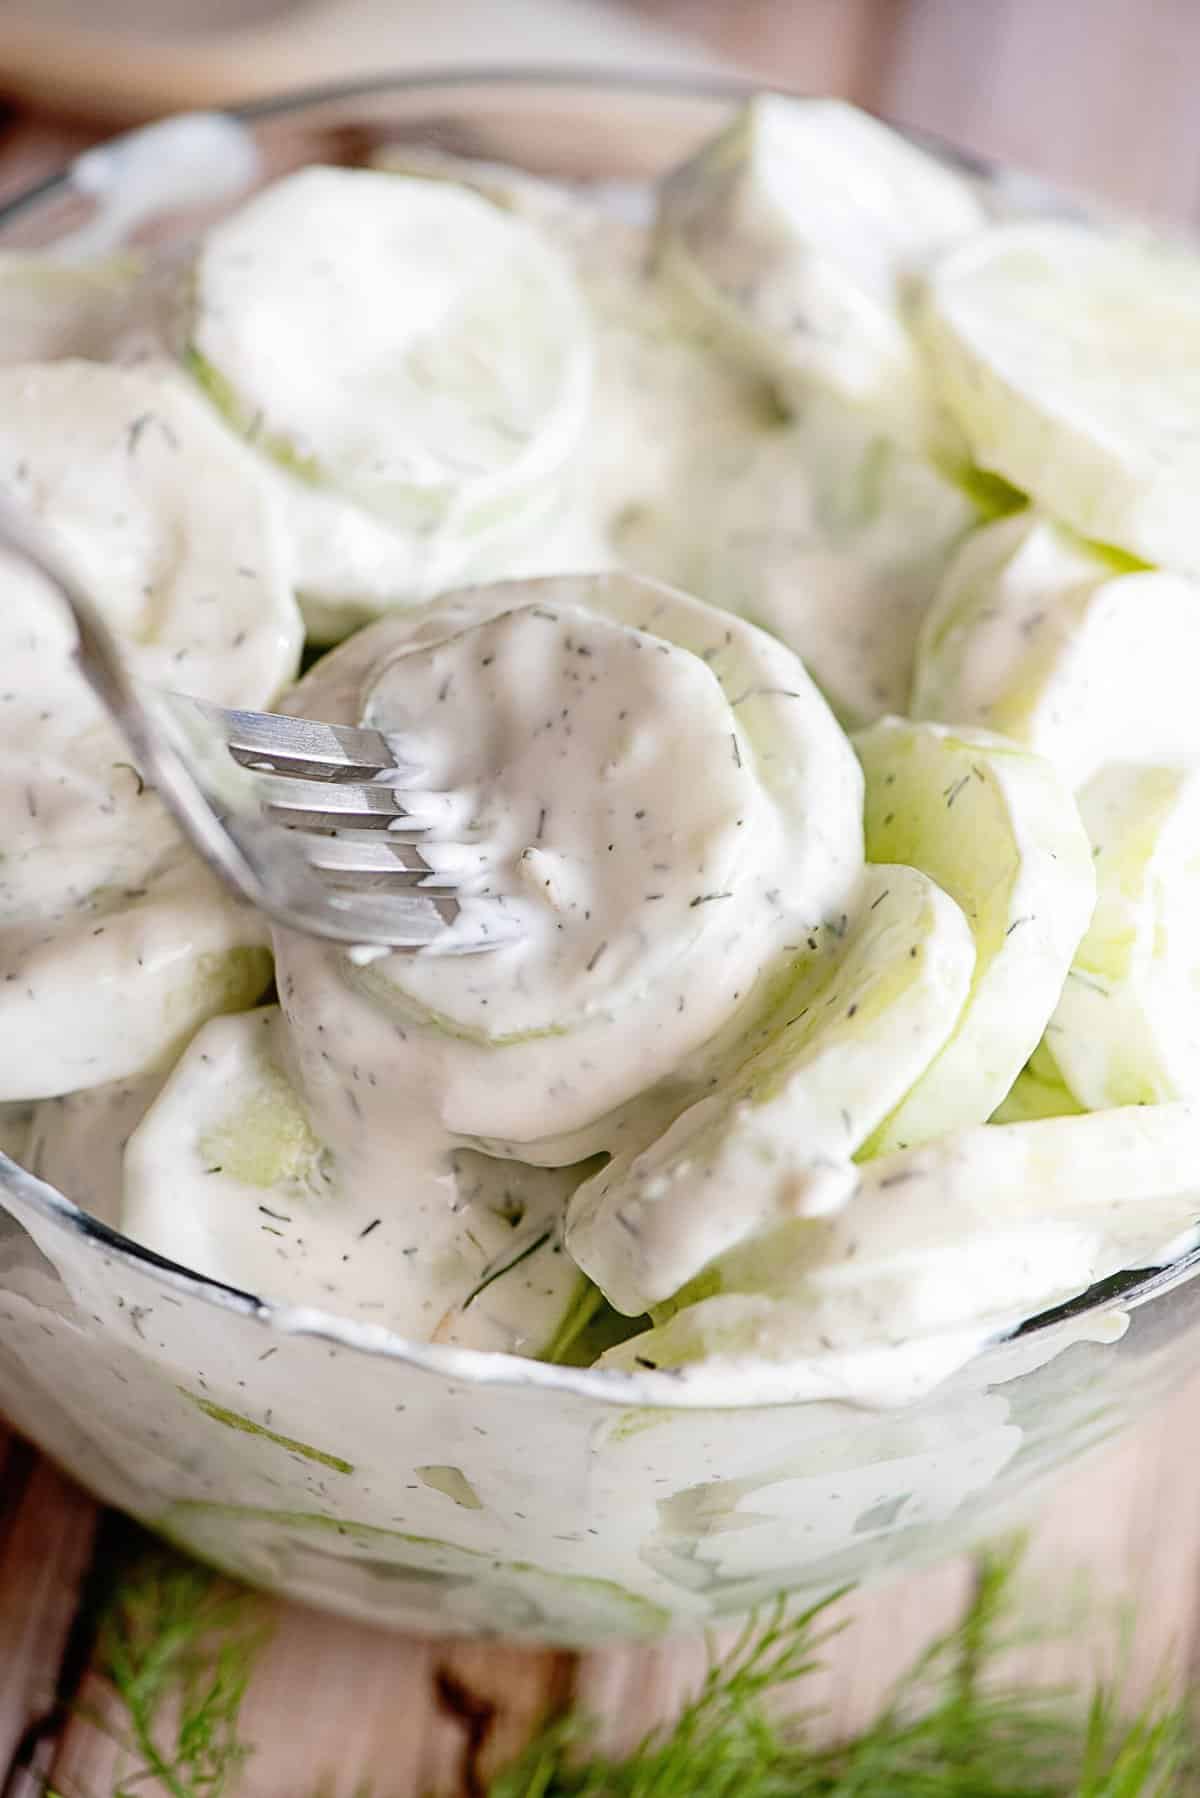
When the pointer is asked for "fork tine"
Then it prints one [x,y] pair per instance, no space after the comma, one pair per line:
[419,921]
[407,920]
[318,750]
[334,857]
[334,803]
[404,880]
[375,855]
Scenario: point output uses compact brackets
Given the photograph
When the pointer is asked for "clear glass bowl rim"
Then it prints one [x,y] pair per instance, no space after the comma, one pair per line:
[653,1390]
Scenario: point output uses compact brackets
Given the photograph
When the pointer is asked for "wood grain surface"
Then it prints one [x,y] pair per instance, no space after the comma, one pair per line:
[1097,92]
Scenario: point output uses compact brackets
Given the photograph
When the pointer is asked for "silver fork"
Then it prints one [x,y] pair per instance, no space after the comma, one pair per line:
[307,821]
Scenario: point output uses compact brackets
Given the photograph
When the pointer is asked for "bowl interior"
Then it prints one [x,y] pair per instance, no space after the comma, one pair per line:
[574,127]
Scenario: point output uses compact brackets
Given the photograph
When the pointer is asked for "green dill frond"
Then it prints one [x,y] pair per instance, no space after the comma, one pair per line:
[723,1744]
[949,1729]
[178,1644]
[1151,1756]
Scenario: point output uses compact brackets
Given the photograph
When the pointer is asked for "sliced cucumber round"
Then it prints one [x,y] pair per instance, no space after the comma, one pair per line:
[352,566]
[997,829]
[1063,646]
[563,710]
[1071,359]
[795,232]
[115,989]
[146,493]
[834,539]
[1126,1031]
[400,340]
[975,1232]
[840,1050]
[225,1174]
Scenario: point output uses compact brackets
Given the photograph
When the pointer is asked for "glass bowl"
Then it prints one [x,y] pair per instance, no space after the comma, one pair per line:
[441,1489]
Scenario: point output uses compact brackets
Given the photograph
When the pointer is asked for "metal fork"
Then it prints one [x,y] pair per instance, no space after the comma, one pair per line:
[307,821]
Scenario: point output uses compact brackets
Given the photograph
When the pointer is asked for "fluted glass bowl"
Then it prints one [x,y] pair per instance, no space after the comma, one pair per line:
[442,1489]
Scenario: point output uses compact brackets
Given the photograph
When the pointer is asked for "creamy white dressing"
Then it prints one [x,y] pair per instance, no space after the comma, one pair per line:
[649,788]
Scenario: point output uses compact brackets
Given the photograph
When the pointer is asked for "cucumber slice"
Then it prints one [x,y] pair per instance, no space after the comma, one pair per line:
[795,232]
[657,389]
[977,1231]
[576,703]
[351,566]
[1063,646]
[226,1175]
[999,832]
[146,493]
[658,386]
[665,399]
[1126,1031]
[400,340]
[1071,359]
[774,1140]
[834,539]
[115,989]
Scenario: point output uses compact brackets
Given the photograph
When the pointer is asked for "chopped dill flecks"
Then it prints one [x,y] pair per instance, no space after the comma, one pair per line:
[499,1266]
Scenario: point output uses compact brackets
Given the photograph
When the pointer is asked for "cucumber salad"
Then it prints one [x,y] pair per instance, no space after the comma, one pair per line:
[789,584]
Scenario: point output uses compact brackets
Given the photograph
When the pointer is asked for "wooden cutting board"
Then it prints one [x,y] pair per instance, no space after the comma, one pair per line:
[124,59]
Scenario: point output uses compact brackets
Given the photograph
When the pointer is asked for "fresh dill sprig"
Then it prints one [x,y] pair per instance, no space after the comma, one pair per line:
[949,1730]
[1151,1756]
[722,1743]
[178,1645]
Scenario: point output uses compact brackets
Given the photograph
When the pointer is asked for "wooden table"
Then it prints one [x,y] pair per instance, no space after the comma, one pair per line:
[423,1716]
